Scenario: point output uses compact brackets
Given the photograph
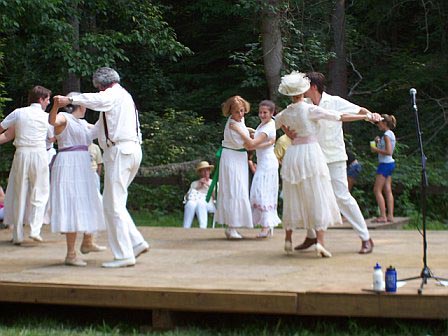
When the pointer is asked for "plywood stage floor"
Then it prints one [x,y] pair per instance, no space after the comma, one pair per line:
[200,271]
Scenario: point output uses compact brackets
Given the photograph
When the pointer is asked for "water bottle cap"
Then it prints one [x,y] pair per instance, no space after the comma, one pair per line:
[391,268]
[377,266]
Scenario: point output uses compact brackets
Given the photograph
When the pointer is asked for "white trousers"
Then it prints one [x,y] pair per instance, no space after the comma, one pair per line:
[347,204]
[199,207]
[121,163]
[28,178]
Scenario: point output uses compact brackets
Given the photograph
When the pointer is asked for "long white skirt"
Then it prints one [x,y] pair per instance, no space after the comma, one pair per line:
[76,204]
[264,192]
[233,207]
[308,198]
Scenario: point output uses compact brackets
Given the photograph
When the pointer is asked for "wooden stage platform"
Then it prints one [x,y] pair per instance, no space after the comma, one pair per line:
[200,271]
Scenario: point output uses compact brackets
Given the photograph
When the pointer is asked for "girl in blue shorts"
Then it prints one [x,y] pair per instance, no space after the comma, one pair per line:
[382,189]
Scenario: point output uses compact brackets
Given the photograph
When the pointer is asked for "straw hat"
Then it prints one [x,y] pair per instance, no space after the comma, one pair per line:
[203,165]
[294,84]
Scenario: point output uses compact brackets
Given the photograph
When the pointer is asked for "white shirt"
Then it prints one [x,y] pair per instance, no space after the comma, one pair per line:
[330,135]
[232,139]
[31,126]
[382,145]
[121,114]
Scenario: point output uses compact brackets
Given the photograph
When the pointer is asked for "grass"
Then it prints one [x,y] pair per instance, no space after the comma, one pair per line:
[415,222]
[144,218]
[34,320]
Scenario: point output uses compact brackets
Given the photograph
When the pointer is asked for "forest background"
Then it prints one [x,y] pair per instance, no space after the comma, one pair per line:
[181,59]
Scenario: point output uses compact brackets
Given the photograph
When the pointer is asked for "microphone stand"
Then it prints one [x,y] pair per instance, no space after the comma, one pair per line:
[426,273]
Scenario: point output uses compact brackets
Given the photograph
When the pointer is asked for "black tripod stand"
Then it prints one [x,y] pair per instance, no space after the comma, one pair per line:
[426,273]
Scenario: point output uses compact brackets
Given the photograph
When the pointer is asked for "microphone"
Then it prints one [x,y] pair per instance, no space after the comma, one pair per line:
[413,93]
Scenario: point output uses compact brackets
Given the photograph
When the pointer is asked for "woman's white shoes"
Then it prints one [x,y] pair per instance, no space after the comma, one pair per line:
[75,262]
[232,234]
[92,248]
[321,251]
[266,233]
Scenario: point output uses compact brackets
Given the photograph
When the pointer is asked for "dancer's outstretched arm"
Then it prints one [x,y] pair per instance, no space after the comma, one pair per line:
[7,135]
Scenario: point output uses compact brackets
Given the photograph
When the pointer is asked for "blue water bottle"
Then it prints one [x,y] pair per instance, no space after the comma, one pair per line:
[391,280]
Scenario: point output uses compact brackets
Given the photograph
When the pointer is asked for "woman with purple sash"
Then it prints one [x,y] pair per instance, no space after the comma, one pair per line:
[76,204]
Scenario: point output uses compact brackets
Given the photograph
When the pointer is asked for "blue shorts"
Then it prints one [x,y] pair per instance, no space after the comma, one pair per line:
[354,169]
[385,169]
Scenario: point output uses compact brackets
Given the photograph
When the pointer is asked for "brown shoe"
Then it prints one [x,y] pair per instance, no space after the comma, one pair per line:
[308,242]
[366,246]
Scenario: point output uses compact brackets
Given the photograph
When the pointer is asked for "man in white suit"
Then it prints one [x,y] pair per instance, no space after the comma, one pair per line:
[29,175]
[119,136]
[331,140]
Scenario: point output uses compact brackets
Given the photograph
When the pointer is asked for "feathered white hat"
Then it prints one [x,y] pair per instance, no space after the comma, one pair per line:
[294,84]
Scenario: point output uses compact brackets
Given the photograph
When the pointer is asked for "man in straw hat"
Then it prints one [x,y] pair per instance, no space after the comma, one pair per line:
[194,200]
[119,136]
[331,140]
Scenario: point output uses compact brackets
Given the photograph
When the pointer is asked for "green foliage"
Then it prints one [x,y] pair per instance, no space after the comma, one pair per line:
[177,56]
[250,63]
[3,98]
[159,200]
[303,46]
[178,136]
[41,33]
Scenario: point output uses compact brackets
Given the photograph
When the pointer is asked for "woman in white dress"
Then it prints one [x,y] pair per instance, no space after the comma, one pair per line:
[264,188]
[76,204]
[308,198]
[233,206]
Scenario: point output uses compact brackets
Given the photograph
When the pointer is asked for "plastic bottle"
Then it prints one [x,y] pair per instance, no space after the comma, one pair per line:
[377,278]
[391,280]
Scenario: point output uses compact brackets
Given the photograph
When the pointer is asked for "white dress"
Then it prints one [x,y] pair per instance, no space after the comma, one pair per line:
[233,206]
[264,188]
[76,204]
[308,198]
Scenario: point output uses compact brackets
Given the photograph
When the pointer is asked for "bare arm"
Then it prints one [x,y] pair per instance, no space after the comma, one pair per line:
[252,166]
[99,169]
[7,135]
[371,116]
[385,151]
[317,113]
[249,143]
[2,195]
[57,120]
[354,117]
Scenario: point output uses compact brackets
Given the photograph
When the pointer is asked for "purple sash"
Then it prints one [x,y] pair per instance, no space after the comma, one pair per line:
[78,148]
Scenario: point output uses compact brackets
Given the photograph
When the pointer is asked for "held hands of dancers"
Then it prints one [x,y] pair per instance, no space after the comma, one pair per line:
[373,117]
[62,101]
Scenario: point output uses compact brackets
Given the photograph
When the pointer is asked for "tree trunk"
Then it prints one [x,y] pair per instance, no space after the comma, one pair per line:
[272,46]
[338,67]
[73,82]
